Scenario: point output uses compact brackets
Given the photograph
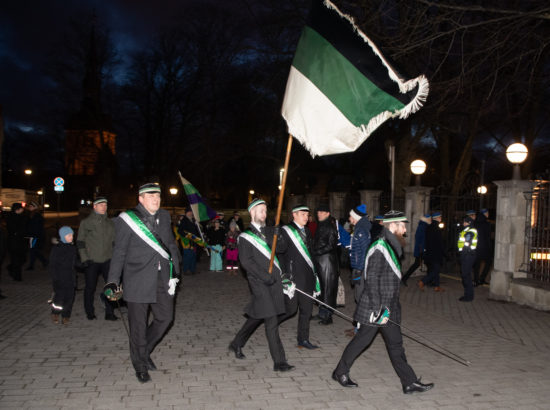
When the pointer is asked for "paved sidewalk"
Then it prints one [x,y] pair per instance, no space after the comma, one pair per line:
[85,365]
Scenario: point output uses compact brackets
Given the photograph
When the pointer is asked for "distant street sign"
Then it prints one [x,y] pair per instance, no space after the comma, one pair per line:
[58,188]
[58,181]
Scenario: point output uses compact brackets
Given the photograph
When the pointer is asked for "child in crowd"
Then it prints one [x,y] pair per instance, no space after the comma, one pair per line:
[232,252]
[62,260]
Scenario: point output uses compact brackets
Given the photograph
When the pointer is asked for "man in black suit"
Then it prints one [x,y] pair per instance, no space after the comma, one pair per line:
[146,251]
[268,300]
[298,264]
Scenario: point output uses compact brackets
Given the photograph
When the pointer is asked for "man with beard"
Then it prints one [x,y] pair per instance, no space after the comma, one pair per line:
[379,308]
[268,303]
[298,264]
[325,257]
[146,252]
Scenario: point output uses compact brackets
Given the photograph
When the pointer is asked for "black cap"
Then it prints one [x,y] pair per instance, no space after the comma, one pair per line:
[323,207]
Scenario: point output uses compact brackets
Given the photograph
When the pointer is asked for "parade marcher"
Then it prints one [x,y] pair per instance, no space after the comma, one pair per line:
[231,249]
[298,264]
[360,242]
[147,258]
[379,308]
[187,224]
[325,257]
[16,224]
[35,233]
[216,239]
[484,248]
[62,261]
[434,253]
[268,300]
[419,246]
[467,243]
[95,246]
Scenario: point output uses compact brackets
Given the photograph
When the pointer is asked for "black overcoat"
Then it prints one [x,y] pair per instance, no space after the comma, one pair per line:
[325,257]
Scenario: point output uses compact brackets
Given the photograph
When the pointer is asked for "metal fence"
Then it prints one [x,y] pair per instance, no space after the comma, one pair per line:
[537,232]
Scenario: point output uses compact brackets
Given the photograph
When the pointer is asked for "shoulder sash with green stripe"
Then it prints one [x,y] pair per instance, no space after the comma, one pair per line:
[260,245]
[389,254]
[299,243]
[141,230]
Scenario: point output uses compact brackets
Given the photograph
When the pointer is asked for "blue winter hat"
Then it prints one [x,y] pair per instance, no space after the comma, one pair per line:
[64,231]
[427,216]
[379,218]
[484,211]
[358,212]
[436,214]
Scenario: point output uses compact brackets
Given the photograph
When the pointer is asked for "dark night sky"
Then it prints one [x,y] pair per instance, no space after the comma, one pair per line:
[28,28]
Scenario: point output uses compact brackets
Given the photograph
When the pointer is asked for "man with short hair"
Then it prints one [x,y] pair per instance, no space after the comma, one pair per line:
[298,264]
[146,257]
[268,300]
[379,308]
[325,257]
[95,246]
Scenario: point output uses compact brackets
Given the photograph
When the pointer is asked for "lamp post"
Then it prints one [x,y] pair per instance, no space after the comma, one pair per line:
[418,167]
[173,192]
[481,190]
[516,154]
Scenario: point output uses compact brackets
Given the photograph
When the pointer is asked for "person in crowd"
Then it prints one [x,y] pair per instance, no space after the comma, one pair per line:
[216,239]
[95,246]
[467,244]
[484,250]
[16,224]
[231,248]
[298,264]
[360,242]
[190,250]
[311,225]
[325,257]
[376,227]
[238,220]
[146,263]
[378,307]
[62,261]
[419,246]
[434,253]
[267,304]
[35,232]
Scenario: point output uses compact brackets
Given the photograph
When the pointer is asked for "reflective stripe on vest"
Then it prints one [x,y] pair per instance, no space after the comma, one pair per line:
[462,239]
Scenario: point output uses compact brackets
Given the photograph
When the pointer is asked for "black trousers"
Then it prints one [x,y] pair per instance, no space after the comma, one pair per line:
[414,266]
[64,297]
[394,345]
[487,261]
[144,336]
[304,305]
[91,274]
[271,332]
[17,252]
[467,260]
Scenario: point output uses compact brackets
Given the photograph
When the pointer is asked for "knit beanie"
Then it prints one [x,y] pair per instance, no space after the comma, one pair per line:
[358,212]
[64,231]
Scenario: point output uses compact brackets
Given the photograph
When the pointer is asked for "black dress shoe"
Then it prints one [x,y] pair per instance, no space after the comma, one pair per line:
[283,367]
[344,380]
[143,377]
[464,299]
[91,317]
[417,386]
[326,321]
[307,344]
[151,365]
[237,350]
[110,316]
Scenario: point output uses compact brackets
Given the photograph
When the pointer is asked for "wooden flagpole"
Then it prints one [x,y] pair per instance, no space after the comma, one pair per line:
[280,204]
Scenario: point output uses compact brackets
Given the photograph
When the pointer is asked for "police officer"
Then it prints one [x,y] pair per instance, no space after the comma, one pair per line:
[467,243]
[146,251]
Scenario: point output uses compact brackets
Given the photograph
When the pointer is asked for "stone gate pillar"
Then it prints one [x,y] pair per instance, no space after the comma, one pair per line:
[312,201]
[337,204]
[371,198]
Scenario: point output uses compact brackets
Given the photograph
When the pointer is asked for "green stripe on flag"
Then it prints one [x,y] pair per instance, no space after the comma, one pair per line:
[343,84]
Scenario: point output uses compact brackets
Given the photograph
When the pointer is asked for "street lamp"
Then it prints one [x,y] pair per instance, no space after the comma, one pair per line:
[516,154]
[418,167]
[173,192]
[28,172]
[250,195]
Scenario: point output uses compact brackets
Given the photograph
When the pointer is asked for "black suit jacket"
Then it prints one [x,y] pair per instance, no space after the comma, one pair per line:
[294,263]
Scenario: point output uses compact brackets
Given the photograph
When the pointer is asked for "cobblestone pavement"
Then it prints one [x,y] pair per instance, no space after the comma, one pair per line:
[85,365]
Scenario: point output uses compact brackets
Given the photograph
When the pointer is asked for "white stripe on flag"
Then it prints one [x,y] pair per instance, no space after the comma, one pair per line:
[309,113]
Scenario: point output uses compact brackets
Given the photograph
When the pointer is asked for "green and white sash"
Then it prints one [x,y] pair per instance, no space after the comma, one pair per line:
[296,238]
[141,230]
[389,254]
[260,245]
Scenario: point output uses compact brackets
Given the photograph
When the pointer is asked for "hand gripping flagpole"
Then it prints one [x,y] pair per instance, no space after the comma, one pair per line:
[280,204]
[443,351]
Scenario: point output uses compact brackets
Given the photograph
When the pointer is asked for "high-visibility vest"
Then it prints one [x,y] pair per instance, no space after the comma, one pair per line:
[462,243]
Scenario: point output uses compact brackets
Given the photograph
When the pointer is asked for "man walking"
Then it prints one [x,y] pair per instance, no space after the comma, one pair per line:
[379,308]
[146,252]
[95,245]
[325,257]
[419,246]
[267,304]
[467,243]
[434,254]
